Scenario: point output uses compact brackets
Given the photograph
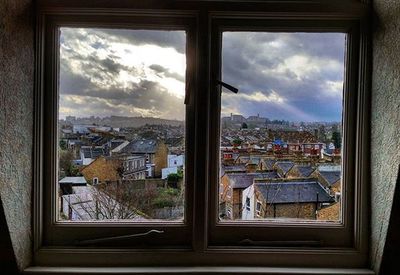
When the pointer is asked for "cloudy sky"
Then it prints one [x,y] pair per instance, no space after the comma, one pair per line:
[122,72]
[292,76]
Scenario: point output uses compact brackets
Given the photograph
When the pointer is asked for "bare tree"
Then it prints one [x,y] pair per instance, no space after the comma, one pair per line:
[114,200]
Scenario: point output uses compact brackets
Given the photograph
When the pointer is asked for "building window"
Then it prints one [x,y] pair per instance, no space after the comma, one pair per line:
[248,204]
[258,209]
[95,181]
[277,103]
[191,232]
[287,115]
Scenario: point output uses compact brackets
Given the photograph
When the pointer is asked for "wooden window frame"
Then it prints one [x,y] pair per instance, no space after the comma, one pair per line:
[202,242]
[328,234]
[66,233]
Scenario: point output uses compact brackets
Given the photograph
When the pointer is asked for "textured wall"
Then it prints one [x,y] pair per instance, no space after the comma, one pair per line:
[16,106]
[385,119]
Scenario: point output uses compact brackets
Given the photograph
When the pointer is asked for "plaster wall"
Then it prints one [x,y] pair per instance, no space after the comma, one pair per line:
[16,120]
[385,124]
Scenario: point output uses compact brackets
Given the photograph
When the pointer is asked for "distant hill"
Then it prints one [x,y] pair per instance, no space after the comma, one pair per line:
[121,121]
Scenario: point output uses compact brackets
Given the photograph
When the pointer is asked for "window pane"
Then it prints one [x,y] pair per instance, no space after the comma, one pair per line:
[121,124]
[281,134]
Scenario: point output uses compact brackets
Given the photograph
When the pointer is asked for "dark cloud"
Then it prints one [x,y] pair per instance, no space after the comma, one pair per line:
[162,71]
[303,69]
[265,62]
[90,84]
[173,39]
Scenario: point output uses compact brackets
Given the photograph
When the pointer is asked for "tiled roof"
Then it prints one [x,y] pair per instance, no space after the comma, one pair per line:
[73,180]
[292,136]
[90,152]
[305,171]
[244,180]
[269,163]
[293,192]
[331,176]
[285,165]
[238,167]
[141,146]
[116,142]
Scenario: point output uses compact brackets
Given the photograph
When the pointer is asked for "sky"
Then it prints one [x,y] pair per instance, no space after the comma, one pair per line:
[291,76]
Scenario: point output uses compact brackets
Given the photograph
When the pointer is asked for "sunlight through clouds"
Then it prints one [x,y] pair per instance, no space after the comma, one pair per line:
[291,76]
[115,69]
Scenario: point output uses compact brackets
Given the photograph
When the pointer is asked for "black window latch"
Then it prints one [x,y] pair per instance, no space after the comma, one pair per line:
[227,86]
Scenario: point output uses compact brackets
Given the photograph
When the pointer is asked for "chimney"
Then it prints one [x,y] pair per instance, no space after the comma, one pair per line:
[251,168]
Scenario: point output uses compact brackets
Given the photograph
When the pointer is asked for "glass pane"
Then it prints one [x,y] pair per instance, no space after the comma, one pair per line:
[281,134]
[121,124]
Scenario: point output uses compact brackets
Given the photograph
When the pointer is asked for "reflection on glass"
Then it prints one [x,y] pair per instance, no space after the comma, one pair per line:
[121,143]
[281,135]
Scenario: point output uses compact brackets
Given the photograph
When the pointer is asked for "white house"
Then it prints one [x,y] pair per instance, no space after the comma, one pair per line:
[248,203]
[166,171]
[84,204]
[175,160]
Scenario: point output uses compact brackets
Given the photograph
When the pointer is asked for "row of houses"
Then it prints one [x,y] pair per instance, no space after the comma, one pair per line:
[316,150]
[279,189]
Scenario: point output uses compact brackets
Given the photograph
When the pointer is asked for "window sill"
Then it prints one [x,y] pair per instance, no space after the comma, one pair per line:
[195,270]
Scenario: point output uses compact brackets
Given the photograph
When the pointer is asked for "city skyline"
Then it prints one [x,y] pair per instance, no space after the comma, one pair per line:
[253,115]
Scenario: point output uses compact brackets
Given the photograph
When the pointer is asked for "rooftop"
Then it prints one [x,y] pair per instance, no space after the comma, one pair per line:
[292,192]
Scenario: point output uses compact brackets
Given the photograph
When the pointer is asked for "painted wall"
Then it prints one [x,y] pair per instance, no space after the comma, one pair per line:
[16,120]
[385,136]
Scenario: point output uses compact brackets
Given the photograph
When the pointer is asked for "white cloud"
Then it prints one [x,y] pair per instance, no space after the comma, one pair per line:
[303,66]
[108,67]
[261,97]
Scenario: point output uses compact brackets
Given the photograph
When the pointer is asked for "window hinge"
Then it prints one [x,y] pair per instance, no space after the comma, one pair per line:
[117,238]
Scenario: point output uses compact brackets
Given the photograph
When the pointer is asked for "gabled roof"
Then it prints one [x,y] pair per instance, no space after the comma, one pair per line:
[292,192]
[90,152]
[285,166]
[331,176]
[244,180]
[230,168]
[269,163]
[114,143]
[141,147]
[305,170]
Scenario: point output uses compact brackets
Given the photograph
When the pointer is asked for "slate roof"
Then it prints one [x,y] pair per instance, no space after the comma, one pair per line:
[293,192]
[269,163]
[175,141]
[237,167]
[73,180]
[115,143]
[291,136]
[305,170]
[285,165]
[141,147]
[244,180]
[331,176]
[90,152]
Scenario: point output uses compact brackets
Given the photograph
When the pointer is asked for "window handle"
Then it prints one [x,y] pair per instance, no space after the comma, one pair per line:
[117,238]
[310,243]
[227,86]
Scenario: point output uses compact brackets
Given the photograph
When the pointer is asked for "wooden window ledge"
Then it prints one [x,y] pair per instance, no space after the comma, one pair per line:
[195,270]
